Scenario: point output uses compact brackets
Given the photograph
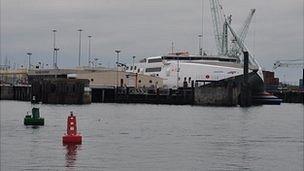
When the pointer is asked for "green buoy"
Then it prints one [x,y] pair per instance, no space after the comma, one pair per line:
[34,119]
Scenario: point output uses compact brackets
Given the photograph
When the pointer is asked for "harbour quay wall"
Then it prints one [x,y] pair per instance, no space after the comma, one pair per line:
[6,92]
[61,91]
[16,92]
[219,94]
[181,96]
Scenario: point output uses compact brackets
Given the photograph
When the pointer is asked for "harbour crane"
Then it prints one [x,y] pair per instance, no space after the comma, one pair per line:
[289,63]
[242,45]
[220,30]
[217,19]
[235,50]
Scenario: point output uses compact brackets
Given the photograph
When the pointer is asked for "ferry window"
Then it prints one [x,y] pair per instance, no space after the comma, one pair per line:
[156,69]
[127,68]
[150,81]
[131,68]
[92,79]
[139,81]
[155,60]
[134,67]
[138,70]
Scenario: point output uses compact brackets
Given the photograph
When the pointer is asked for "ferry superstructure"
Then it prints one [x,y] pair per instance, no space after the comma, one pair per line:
[178,69]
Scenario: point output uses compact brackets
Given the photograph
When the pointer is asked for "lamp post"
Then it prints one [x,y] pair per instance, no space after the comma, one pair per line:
[29,59]
[79,48]
[56,55]
[200,50]
[202,38]
[89,58]
[54,46]
[133,58]
[117,62]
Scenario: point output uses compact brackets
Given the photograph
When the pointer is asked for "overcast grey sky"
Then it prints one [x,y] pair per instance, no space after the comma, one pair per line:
[145,28]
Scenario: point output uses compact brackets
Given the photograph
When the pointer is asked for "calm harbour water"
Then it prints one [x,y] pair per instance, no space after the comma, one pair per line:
[155,137]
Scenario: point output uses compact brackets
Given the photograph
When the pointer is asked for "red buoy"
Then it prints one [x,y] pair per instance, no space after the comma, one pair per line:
[72,136]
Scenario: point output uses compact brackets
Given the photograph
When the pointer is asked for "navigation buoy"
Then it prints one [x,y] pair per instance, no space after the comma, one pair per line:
[72,137]
[33,119]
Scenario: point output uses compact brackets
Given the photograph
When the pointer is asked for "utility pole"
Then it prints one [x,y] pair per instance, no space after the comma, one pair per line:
[79,48]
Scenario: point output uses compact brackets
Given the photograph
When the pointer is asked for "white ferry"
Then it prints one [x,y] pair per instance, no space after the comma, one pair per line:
[178,69]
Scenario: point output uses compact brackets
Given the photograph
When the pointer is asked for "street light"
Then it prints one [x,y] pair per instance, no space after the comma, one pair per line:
[56,55]
[117,61]
[29,59]
[54,46]
[79,50]
[200,44]
[89,58]
[133,58]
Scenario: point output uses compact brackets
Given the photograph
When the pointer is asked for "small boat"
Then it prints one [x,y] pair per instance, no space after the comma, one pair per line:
[34,118]
[266,98]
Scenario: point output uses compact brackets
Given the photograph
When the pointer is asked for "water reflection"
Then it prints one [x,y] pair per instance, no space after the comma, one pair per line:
[71,154]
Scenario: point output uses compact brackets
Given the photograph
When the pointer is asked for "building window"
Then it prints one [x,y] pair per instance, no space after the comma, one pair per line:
[139,81]
[92,79]
[150,81]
